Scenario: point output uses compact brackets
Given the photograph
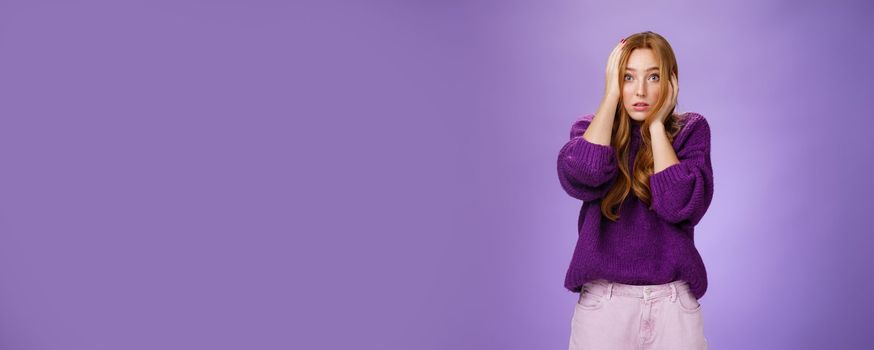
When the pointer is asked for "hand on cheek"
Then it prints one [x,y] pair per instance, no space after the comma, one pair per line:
[670,101]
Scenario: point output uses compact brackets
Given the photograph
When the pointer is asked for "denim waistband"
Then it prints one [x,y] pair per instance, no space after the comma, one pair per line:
[645,291]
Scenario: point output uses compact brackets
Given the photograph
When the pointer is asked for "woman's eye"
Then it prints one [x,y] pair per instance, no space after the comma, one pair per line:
[654,75]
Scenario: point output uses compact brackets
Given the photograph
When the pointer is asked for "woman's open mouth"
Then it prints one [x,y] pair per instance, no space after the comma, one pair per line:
[640,106]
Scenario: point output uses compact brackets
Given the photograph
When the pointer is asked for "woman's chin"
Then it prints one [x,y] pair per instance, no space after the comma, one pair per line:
[637,116]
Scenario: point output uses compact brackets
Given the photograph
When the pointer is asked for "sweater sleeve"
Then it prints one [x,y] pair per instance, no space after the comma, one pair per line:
[683,191]
[585,168]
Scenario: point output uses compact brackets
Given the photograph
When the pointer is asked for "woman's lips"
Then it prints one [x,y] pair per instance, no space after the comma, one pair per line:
[640,107]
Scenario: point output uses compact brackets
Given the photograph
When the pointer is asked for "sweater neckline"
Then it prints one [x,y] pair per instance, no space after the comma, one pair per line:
[635,129]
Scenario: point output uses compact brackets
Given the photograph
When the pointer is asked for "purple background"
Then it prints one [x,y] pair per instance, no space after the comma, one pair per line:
[269,175]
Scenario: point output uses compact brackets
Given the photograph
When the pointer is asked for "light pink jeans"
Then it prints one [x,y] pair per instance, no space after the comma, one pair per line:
[611,315]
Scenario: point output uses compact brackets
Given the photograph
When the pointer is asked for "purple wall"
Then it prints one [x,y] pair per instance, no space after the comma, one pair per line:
[259,175]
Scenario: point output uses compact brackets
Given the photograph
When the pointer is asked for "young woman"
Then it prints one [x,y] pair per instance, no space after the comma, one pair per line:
[643,173]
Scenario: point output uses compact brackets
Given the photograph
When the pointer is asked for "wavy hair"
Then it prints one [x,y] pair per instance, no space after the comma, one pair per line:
[621,138]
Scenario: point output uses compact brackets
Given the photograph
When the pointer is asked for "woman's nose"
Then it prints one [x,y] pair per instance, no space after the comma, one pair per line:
[640,90]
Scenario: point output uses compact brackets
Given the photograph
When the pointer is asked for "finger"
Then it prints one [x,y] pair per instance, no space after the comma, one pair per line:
[615,53]
[612,59]
[671,94]
[617,49]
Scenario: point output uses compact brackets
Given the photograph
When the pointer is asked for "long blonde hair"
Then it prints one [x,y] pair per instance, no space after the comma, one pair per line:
[643,162]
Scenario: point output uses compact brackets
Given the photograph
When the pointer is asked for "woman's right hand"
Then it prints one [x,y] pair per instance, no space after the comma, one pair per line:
[611,88]
[600,129]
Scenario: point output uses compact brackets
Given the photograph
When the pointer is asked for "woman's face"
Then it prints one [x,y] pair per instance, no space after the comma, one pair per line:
[641,84]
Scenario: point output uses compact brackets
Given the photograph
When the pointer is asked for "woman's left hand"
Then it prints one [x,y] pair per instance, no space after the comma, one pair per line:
[671,101]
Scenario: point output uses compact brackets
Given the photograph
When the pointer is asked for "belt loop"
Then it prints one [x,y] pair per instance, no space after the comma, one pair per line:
[610,290]
[673,292]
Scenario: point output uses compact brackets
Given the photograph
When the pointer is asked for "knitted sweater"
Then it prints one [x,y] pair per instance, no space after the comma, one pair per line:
[645,246]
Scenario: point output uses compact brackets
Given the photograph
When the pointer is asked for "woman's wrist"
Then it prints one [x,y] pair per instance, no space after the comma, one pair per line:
[611,97]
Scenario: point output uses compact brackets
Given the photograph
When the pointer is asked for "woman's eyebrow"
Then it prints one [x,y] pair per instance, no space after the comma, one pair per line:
[648,69]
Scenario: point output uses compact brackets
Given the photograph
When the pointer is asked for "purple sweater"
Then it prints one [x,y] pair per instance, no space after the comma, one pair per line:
[645,246]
